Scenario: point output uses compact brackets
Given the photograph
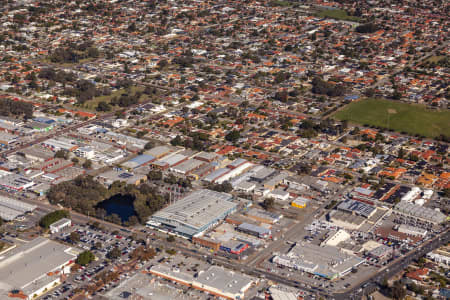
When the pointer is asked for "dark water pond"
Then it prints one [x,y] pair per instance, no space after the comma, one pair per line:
[121,205]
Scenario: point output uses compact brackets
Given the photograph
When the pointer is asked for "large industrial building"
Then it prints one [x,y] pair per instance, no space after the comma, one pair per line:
[216,281]
[326,261]
[12,208]
[15,182]
[30,269]
[193,214]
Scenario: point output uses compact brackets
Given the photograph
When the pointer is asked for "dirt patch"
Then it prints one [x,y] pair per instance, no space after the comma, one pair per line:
[392,111]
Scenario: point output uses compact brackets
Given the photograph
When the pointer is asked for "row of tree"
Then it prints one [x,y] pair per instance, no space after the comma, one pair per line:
[52,217]
[322,87]
[85,90]
[73,53]
[16,108]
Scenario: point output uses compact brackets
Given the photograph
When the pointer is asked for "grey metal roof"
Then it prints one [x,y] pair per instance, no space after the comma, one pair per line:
[224,280]
[21,266]
[421,212]
[196,211]
[357,207]
[12,208]
[254,228]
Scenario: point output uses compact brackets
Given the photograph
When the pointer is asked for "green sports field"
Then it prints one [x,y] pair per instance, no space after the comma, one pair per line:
[411,118]
[337,14]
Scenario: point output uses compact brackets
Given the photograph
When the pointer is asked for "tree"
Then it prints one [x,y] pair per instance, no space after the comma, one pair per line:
[114,253]
[61,154]
[85,258]
[268,203]
[149,145]
[103,106]
[133,220]
[16,108]
[367,28]
[141,134]
[320,86]
[171,238]
[114,218]
[233,136]
[224,187]
[176,141]
[87,164]
[52,217]
[446,192]
[397,95]
[155,175]
[401,153]
[398,292]
[74,237]
[143,254]
[98,245]
[304,168]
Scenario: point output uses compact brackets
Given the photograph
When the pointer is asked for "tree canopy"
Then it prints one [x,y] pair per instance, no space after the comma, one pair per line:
[52,217]
[85,258]
[16,108]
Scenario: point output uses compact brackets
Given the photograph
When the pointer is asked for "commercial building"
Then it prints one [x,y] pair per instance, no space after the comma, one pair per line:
[206,242]
[327,261]
[7,138]
[34,267]
[216,174]
[159,151]
[186,167]
[262,174]
[412,230]
[139,287]
[381,252]
[203,171]
[336,237]
[223,283]
[254,230]
[107,178]
[346,220]
[300,202]
[38,153]
[12,208]
[421,216]
[295,183]
[357,208]
[139,161]
[279,194]
[131,143]
[207,156]
[263,216]
[16,182]
[193,214]
[85,152]
[169,161]
[234,247]
[60,225]
[441,256]
[216,281]
[277,294]
[59,144]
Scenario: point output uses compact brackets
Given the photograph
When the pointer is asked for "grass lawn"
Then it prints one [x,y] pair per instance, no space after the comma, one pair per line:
[92,104]
[410,118]
[435,59]
[337,14]
[280,3]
